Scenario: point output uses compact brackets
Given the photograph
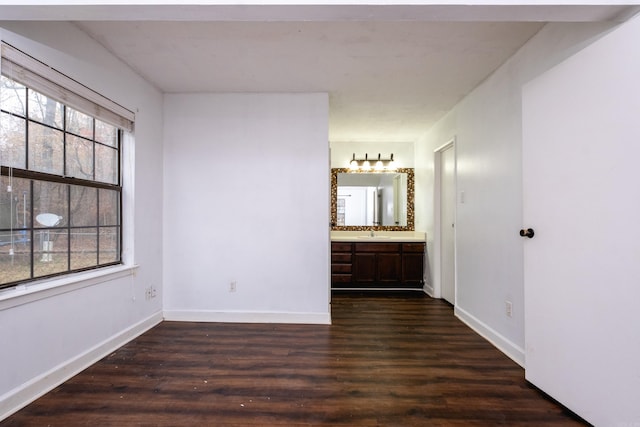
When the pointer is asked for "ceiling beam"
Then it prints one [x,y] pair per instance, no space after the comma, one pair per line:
[451,12]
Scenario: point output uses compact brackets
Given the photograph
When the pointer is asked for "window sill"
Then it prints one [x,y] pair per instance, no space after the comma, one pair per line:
[27,293]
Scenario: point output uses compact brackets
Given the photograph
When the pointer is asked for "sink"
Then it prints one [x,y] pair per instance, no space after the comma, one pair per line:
[374,237]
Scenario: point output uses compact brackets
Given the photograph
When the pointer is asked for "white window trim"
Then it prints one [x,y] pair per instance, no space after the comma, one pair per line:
[47,288]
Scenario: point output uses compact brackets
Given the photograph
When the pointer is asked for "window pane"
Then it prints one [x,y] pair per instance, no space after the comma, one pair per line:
[45,149]
[109,207]
[84,206]
[49,204]
[109,245]
[16,266]
[79,158]
[45,110]
[106,133]
[79,123]
[84,247]
[13,96]
[106,164]
[50,253]
[12,141]
[15,206]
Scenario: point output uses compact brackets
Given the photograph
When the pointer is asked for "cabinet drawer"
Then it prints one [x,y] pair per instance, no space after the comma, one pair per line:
[341,258]
[377,247]
[340,247]
[341,278]
[340,268]
[413,247]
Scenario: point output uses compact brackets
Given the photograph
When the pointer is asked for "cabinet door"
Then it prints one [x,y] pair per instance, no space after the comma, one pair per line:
[389,268]
[365,267]
[413,268]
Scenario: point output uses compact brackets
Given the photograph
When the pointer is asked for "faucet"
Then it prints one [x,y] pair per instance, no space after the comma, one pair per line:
[372,234]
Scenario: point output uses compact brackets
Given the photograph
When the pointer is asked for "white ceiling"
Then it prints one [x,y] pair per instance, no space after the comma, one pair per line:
[386,80]
[390,71]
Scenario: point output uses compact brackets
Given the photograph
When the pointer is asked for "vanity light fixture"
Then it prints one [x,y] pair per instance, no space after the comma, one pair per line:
[381,164]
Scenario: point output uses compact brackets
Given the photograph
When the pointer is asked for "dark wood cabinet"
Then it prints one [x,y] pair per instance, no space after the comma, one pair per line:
[341,262]
[413,263]
[389,268]
[364,267]
[377,265]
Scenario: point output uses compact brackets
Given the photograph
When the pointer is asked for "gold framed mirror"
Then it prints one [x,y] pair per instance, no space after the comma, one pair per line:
[382,201]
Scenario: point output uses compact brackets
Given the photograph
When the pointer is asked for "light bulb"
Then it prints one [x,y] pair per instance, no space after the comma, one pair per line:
[354,163]
[392,164]
[379,165]
[366,165]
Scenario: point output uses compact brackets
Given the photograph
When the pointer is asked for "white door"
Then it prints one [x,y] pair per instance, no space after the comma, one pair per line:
[581,176]
[447,224]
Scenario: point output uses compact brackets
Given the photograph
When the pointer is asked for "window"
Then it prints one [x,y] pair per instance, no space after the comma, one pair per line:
[60,181]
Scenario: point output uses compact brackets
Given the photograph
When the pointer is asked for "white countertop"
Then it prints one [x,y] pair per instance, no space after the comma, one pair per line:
[379,236]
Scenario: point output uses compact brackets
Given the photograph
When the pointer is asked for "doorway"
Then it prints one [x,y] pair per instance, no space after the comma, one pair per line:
[445,220]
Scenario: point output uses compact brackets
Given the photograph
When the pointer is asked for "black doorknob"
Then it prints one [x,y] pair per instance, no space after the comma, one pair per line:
[527,233]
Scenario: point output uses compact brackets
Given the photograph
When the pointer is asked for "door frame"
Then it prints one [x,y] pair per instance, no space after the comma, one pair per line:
[437,217]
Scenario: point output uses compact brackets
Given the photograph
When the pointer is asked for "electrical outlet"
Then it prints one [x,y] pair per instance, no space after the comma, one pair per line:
[508,308]
[232,286]
[149,293]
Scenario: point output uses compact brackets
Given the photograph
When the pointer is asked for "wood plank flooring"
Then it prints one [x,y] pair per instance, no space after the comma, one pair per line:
[387,360]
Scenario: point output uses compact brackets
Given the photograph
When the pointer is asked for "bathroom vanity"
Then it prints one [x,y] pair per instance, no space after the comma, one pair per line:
[362,262]
[374,244]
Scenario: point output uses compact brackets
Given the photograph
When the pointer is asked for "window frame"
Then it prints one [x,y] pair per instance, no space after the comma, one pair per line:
[122,125]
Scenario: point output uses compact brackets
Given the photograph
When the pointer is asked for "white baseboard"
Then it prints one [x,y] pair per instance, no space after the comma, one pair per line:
[428,289]
[247,317]
[26,393]
[514,352]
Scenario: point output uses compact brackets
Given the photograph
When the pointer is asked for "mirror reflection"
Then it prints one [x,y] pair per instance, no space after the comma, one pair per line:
[362,200]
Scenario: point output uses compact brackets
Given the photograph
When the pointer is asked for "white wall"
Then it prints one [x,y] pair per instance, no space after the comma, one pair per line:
[247,200]
[46,339]
[487,128]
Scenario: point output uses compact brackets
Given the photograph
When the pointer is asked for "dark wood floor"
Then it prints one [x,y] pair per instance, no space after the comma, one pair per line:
[393,360]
